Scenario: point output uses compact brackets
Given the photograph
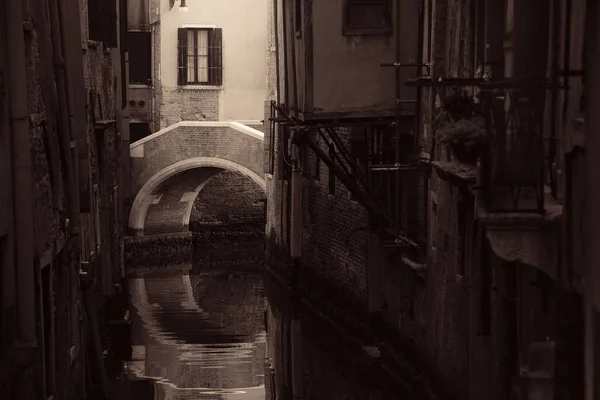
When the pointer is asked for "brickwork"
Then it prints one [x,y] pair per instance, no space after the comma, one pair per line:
[186,104]
[334,235]
[154,251]
[229,197]
[187,142]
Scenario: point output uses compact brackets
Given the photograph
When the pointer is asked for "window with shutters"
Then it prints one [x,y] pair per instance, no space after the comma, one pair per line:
[200,57]
[367,17]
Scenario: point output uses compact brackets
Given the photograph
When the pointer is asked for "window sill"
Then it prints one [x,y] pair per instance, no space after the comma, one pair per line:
[367,32]
[140,86]
[200,87]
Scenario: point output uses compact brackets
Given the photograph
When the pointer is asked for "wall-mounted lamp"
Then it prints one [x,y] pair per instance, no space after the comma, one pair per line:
[183,6]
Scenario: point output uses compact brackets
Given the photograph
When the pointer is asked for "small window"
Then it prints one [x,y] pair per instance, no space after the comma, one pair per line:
[138,131]
[298,17]
[199,58]
[139,46]
[367,17]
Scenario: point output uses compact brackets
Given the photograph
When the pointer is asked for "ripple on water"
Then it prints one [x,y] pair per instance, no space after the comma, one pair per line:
[199,337]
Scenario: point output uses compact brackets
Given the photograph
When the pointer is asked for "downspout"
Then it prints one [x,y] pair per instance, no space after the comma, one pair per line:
[277,66]
[22,176]
[74,135]
[296,264]
[63,114]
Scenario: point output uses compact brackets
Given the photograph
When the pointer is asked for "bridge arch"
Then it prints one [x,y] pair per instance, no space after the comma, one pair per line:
[146,195]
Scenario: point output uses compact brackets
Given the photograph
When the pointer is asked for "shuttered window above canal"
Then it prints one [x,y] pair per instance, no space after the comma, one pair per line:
[200,56]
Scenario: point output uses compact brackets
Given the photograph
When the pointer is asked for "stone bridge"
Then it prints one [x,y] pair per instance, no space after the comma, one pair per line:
[172,166]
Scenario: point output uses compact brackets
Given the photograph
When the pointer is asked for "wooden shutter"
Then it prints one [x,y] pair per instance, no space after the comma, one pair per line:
[182,56]
[215,57]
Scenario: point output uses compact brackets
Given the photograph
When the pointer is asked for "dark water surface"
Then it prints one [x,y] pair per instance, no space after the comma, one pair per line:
[223,332]
[197,335]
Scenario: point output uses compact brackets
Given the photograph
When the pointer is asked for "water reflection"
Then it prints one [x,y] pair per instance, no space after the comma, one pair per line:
[198,335]
[333,364]
[228,334]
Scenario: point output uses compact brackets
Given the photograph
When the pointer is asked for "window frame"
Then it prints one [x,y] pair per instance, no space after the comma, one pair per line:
[214,56]
[349,31]
[196,33]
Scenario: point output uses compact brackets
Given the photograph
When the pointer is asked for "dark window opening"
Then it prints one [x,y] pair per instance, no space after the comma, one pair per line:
[138,131]
[103,27]
[298,16]
[367,17]
[331,172]
[140,57]
[200,57]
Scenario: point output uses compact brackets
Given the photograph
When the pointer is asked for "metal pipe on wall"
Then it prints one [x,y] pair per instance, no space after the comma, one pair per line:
[63,114]
[22,176]
[296,264]
[74,135]
[277,66]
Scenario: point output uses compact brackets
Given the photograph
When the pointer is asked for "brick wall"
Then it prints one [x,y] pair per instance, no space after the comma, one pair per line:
[158,251]
[335,236]
[185,104]
[229,197]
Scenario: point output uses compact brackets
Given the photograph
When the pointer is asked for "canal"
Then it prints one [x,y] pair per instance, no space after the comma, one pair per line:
[220,330]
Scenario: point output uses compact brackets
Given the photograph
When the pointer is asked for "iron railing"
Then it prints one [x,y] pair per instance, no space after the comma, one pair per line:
[513,164]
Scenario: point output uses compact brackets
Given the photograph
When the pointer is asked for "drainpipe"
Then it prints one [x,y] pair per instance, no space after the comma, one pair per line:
[296,263]
[22,177]
[277,66]
[63,113]
[76,137]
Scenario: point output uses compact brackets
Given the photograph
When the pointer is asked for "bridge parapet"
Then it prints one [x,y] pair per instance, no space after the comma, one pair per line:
[185,146]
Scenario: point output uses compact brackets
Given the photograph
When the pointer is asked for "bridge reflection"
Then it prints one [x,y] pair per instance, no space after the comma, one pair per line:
[198,335]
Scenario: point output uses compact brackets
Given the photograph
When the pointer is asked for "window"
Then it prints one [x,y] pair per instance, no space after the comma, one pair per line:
[367,17]
[139,46]
[139,130]
[103,27]
[298,17]
[199,58]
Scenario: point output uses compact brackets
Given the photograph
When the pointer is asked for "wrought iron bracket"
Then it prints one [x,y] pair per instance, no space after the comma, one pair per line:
[430,81]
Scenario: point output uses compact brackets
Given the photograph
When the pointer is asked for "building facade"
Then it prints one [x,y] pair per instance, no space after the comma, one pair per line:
[200,61]
[426,182]
[60,211]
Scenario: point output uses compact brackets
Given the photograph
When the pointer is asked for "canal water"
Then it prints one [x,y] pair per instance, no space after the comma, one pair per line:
[221,331]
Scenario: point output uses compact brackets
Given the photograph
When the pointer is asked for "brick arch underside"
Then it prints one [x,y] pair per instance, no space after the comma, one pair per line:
[166,202]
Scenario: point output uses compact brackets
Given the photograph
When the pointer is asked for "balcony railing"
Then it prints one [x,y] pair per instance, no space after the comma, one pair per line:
[513,162]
